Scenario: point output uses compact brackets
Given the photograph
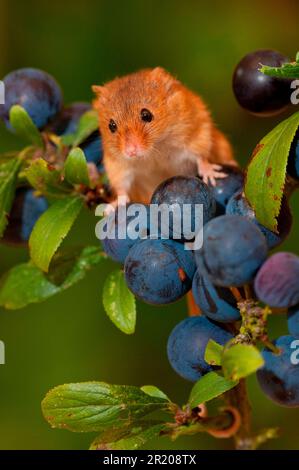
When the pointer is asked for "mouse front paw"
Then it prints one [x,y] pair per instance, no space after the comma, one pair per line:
[210,172]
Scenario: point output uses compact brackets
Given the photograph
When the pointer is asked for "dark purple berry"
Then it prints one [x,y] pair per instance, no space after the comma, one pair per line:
[34,90]
[238,205]
[159,271]
[226,187]
[117,245]
[279,377]
[187,345]
[277,282]
[233,250]
[259,93]
[217,303]
[26,210]
[183,191]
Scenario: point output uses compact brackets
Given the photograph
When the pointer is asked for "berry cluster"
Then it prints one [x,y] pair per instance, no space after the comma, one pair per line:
[234,254]
[40,95]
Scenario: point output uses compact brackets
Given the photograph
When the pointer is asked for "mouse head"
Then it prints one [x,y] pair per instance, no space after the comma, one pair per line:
[136,112]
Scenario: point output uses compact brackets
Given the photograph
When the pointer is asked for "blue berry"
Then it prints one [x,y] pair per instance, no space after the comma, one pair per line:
[26,210]
[67,121]
[277,282]
[279,377]
[233,250]
[259,93]
[238,205]
[217,303]
[293,162]
[183,190]
[226,187]
[93,150]
[159,271]
[34,90]
[118,223]
[187,345]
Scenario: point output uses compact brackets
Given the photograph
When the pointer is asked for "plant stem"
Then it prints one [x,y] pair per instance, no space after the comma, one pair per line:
[238,398]
[248,291]
[236,293]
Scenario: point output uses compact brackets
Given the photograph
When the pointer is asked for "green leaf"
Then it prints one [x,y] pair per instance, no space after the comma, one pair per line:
[297,57]
[96,406]
[209,387]
[213,353]
[119,302]
[153,391]
[267,170]
[24,126]
[241,360]
[26,284]
[76,171]
[6,157]
[88,124]
[46,179]
[8,178]
[290,70]
[128,438]
[51,228]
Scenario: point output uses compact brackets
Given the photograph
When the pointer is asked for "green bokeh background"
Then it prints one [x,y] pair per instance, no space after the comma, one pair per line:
[69,338]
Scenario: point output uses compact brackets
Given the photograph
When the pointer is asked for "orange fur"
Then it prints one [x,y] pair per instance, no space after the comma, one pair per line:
[180,140]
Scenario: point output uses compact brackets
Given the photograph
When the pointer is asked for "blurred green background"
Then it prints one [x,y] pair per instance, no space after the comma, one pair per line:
[69,338]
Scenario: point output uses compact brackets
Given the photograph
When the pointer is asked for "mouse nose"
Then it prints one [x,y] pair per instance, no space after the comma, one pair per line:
[132,149]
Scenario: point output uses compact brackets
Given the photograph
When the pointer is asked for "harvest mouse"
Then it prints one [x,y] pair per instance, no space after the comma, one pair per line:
[153,127]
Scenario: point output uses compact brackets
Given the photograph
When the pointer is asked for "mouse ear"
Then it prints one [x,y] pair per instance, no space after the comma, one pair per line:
[158,74]
[97,89]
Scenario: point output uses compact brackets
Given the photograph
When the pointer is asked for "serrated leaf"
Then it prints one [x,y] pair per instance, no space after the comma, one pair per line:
[76,171]
[26,284]
[290,70]
[267,171]
[51,228]
[46,179]
[241,360]
[71,264]
[8,178]
[23,125]
[96,406]
[88,124]
[154,391]
[210,386]
[119,302]
[130,438]
[213,353]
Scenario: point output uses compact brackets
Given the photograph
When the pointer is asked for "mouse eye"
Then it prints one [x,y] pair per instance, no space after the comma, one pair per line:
[112,126]
[146,115]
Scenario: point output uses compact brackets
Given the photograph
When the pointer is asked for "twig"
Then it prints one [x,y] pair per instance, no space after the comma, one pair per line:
[248,292]
[236,293]
[238,398]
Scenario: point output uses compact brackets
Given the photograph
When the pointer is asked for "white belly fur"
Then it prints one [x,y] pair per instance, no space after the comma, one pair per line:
[149,173]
